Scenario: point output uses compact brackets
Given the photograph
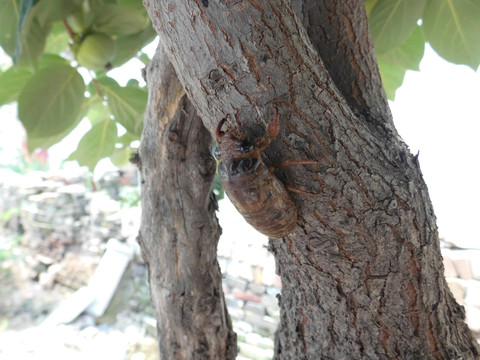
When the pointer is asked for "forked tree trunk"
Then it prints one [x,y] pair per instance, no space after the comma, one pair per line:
[179,231]
[362,272]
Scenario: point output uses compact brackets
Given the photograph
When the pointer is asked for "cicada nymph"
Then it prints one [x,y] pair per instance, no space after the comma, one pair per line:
[252,187]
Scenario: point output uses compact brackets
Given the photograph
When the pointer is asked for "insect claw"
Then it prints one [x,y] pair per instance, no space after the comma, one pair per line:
[219,131]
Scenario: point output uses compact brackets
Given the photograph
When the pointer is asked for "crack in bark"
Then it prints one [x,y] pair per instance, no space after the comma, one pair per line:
[252,62]
[339,233]
[385,332]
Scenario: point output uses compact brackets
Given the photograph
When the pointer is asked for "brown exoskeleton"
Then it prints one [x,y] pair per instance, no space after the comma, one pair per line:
[252,187]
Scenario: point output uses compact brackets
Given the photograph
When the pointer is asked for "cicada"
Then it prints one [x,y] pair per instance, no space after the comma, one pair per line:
[252,187]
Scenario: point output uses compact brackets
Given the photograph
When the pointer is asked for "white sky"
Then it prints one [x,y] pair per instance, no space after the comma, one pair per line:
[436,111]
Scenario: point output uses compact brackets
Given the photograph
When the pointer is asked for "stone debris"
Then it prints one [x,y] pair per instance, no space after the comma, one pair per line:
[55,231]
[103,283]
[462,270]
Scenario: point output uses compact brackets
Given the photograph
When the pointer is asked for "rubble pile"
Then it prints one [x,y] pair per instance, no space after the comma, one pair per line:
[72,277]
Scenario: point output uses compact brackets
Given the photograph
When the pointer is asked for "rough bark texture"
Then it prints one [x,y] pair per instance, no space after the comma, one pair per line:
[179,230]
[339,32]
[362,272]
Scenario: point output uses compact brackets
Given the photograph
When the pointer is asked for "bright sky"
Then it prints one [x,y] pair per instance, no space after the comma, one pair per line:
[436,112]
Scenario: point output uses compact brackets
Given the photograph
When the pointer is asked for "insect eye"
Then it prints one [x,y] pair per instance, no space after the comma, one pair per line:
[246,164]
[234,168]
[245,146]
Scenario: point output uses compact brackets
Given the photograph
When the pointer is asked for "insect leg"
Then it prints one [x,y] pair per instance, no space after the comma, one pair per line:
[291,163]
[300,191]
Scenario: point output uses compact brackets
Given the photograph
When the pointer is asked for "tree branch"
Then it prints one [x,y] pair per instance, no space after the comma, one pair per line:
[361,272]
[179,231]
[238,75]
[340,33]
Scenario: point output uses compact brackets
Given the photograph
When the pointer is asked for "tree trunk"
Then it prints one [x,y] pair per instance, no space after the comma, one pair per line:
[179,231]
[362,272]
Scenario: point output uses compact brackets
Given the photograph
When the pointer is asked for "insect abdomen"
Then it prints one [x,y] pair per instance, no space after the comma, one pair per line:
[263,201]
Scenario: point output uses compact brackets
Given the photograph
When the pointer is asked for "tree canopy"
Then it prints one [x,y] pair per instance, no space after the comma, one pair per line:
[61,53]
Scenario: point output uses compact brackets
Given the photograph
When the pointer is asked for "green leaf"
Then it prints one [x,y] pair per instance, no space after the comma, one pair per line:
[58,40]
[217,187]
[11,82]
[144,58]
[133,83]
[115,19]
[100,80]
[25,11]
[128,106]
[81,20]
[452,27]
[133,3]
[51,60]
[409,54]
[120,156]
[45,142]
[369,5]
[51,101]
[98,111]
[127,138]
[52,10]
[129,45]
[392,77]
[96,144]
[391,21]
[9,15]
[32,39]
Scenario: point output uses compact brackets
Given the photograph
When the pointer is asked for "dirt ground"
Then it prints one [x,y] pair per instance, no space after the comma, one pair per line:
[30,291]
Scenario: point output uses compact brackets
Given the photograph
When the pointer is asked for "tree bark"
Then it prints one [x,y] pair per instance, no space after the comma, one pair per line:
[339,32]
[179,230]
[362,272]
